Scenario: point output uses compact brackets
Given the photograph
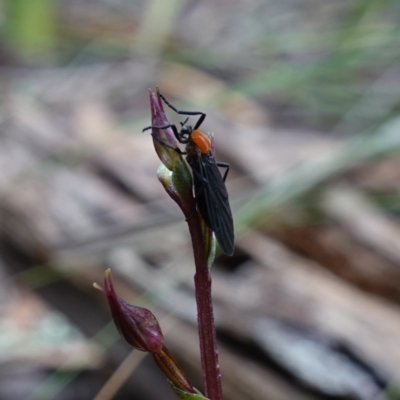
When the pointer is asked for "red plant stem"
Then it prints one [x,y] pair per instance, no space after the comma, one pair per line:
[205,314]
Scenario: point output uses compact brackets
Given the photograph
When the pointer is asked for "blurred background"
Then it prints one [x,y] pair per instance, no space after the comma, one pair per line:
[303,97]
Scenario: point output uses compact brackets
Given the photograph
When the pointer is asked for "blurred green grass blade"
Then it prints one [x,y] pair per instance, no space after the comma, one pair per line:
[299,180]
[53,385]
[30,25]
[157,25]
[39,275]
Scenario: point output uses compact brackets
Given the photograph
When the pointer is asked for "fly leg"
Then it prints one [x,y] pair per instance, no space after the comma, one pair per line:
[199,121]
[157,127]
[174,129]
[177,149]
[224,165]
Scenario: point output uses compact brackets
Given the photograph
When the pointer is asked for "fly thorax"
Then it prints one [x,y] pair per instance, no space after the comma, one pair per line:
[201,140]
[192,149]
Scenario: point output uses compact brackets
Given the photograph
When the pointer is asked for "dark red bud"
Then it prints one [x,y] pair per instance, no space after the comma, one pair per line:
[138,326]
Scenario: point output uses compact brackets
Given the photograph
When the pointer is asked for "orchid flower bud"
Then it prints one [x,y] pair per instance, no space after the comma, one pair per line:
[140,329]
[173,172]
[164,139]
[137,325]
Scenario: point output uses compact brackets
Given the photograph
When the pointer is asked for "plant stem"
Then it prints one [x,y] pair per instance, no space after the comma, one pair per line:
[205,314]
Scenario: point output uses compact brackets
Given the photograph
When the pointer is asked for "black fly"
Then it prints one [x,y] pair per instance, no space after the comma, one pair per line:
[209,186]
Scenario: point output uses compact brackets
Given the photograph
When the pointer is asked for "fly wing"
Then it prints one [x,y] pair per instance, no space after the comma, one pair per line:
[212,199]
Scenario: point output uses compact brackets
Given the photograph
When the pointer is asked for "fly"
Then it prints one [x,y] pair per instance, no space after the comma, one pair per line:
[209,185]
